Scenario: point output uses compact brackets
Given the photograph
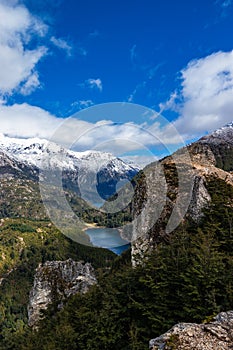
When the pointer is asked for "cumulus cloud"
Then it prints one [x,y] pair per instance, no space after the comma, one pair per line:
[115,138]
[31,84]
[62,44]
[94,84]
[205,99]
[17,61]
[20,53]
[81,104]
[24,120]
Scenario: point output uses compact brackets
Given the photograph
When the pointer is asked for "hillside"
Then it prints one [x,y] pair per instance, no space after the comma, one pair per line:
[179,275]
[28,237]
[187,278]
[183,275]
[25,244]
[175,188]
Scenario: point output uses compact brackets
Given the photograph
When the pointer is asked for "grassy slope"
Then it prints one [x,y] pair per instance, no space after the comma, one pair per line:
[23,245]
[187,279]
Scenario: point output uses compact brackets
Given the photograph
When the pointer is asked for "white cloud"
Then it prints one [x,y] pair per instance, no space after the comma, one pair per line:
[171,103]
[205,100]
[138,87]
[19,52]
[23,120]
[81,104]
[17,61]
[118,138]
[94,84]
[19,56]
[31,84]
[139,160]
[133,54]
[62,44]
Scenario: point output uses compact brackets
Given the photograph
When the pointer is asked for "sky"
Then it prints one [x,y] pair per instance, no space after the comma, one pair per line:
[138,78]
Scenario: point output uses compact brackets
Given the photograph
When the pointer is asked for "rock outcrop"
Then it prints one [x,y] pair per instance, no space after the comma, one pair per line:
[55,281]
[185,195]
[200,199]
[215,335]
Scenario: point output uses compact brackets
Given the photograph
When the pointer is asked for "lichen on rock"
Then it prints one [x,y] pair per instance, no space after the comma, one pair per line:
[55,281]
[215,335]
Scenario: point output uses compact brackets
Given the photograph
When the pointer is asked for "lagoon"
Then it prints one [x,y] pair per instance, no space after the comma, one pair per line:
[108,238]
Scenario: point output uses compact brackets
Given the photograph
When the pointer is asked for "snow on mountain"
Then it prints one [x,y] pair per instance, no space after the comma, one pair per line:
[34,150]
[223,134]
[93,173]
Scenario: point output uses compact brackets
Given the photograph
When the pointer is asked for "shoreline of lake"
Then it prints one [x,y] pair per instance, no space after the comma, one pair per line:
[108,238]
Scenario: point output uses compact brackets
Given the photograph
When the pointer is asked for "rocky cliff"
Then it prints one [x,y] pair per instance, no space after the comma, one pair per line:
[175,189]
[55,281]
[215,335]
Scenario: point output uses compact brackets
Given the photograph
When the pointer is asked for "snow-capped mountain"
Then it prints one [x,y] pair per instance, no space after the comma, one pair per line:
[33,150]
[223,134]
[216,148]
[92,171]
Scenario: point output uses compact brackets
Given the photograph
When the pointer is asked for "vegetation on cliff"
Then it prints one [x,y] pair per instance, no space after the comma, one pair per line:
[24,244]
[187,278]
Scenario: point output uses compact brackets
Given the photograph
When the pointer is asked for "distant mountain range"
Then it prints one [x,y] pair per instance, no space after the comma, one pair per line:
[29,240]
[93,175]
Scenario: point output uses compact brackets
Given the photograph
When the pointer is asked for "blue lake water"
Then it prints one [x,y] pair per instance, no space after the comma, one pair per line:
[108,238]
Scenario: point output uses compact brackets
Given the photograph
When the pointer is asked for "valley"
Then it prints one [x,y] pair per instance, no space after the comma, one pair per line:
[116,175]
[164,278]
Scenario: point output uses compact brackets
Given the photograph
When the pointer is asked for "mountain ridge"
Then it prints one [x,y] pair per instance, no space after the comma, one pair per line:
[93,175]
[209,157]
[182,275]
[34,148]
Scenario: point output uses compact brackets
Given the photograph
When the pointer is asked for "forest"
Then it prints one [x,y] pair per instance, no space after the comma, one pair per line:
[187,278]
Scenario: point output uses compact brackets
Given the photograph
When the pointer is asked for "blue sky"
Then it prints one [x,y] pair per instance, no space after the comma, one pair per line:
[58,57]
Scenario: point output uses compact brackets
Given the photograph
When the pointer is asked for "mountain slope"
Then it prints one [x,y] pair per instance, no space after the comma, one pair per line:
[185,277]
[92,174]
[180,183]
[29,238]
[24,245]
[220,143]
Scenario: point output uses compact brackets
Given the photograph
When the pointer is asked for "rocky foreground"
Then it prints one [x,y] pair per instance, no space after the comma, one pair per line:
[215,335]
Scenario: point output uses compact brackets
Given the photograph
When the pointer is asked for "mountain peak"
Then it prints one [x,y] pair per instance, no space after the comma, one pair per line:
[227,127]
[32,150]
[93,170]
[223,134]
